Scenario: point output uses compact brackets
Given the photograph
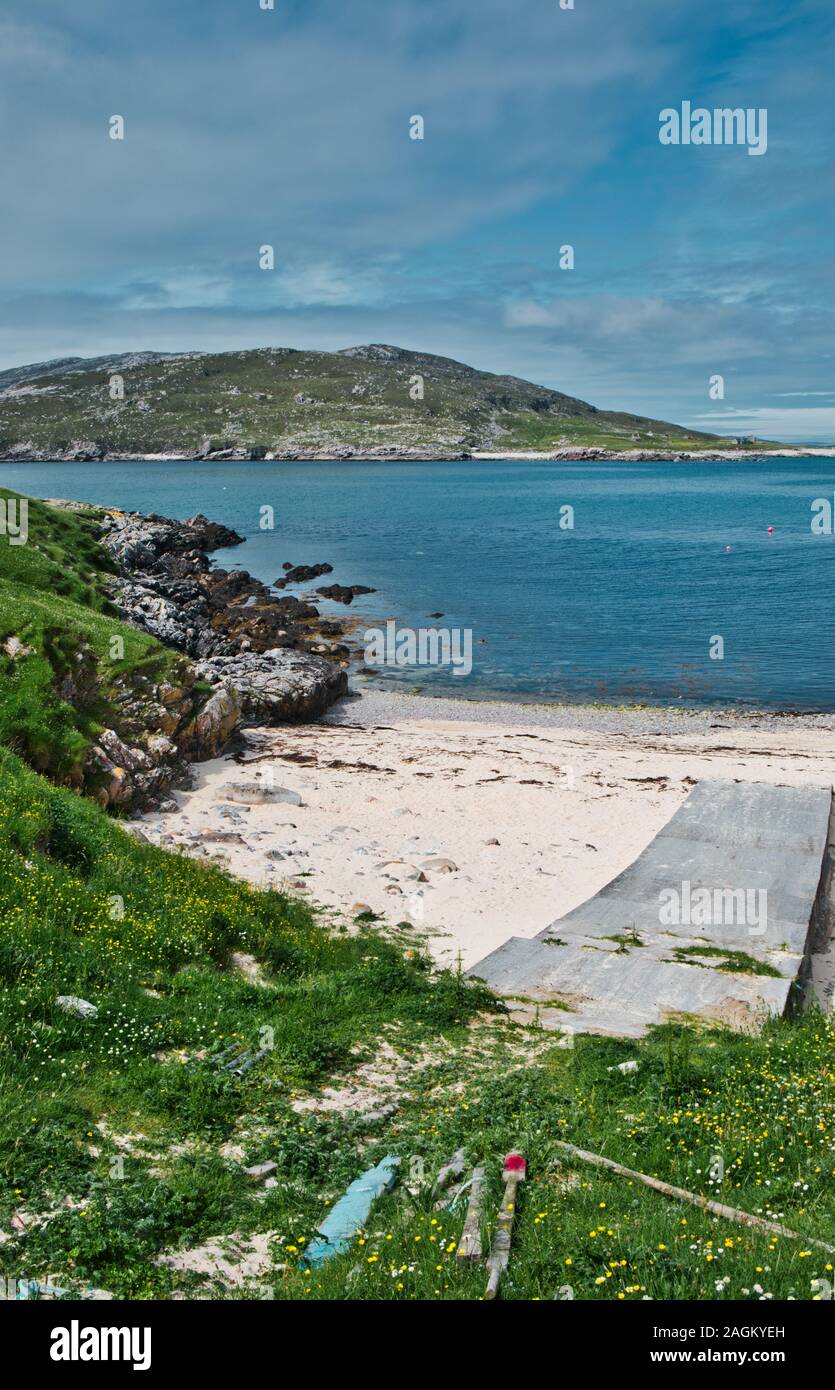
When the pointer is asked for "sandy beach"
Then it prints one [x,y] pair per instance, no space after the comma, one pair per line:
[471,822]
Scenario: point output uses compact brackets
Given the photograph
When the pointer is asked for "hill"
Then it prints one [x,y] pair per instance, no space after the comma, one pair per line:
[285,403]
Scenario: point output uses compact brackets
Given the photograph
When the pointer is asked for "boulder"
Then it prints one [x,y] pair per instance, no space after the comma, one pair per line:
[278,686]
[344,593]
[298,574]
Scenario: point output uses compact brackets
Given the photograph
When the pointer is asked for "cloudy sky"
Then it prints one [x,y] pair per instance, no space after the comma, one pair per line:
[290,127]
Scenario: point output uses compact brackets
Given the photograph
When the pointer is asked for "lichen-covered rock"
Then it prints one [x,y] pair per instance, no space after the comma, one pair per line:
[212,728]
[279,686]
[120,774]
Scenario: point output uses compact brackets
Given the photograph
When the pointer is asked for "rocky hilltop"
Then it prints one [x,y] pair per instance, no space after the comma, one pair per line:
[375,401]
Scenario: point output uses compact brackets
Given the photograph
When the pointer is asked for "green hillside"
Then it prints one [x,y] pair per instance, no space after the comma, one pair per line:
[62,679]
[279,400]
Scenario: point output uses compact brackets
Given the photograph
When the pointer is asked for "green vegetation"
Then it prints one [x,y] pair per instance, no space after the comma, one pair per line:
[734,962]
[145,936]
[746,1122]
[279,399]
[72,678]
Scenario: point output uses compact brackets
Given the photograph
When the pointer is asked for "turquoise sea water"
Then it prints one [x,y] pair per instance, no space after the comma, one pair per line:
[623,607]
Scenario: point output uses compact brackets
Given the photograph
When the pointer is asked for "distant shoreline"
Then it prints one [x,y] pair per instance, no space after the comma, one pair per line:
[399,455]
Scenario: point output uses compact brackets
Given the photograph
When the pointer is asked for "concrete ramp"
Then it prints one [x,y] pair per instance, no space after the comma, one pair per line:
[715,919]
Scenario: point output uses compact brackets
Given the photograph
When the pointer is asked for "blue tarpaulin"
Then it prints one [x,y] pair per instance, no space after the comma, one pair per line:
[351,1212]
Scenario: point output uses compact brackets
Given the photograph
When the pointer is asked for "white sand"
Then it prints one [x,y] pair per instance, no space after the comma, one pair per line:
[569,807]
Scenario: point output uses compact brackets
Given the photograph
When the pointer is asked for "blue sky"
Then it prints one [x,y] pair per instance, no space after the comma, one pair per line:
[291,127]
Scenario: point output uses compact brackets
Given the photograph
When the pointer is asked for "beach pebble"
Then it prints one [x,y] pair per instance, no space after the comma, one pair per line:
[358,908]
[440,866]
[254,794]
[400,870]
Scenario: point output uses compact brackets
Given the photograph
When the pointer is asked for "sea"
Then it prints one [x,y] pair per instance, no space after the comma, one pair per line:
[699,584]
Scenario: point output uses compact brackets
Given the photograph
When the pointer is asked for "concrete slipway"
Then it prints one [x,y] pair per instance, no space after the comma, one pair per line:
[625,959]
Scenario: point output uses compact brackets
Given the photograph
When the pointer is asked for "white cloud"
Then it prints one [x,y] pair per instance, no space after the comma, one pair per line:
[800,425]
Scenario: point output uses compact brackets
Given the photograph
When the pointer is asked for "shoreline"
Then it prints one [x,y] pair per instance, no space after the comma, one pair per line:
[565,713]
[398,454]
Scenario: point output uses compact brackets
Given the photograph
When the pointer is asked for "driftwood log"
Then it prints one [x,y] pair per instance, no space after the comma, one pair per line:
[681,1194]
[469,1246]
[497,1261]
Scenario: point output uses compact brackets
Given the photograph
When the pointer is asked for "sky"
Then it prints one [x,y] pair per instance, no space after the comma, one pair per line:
[290,127]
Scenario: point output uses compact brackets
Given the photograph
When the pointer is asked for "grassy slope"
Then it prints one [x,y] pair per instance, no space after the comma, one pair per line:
[51,600]
[765,1107]
[250,399]
[85,909]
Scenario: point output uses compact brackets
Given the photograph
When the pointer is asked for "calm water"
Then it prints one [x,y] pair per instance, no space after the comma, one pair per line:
[623,607]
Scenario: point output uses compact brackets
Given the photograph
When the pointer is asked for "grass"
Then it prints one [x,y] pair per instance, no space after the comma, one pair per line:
[83,666]
[734,962]
[747,1122]
[146,936]
[88,911]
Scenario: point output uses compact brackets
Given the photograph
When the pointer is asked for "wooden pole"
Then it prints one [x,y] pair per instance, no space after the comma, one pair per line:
[497,1261]
[682,1195]
[469,1247]
[454,1169]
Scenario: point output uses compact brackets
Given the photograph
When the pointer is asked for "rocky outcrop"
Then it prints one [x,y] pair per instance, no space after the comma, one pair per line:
[246,655]
[345,593]
[94,451]
[214,725]
[167,587]
[120,775]
[279,686]
[255,649]
[156,727]
[299,574]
